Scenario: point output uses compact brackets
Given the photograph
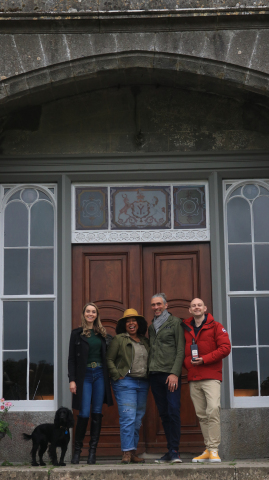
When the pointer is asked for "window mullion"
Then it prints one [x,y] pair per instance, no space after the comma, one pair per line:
[257,346]
[28,349]
[29,251]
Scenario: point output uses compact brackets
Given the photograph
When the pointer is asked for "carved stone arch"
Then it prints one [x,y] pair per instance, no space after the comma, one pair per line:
[130,67]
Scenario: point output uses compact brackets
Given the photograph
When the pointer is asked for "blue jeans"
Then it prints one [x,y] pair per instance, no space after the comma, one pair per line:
[168,404]
[93,392]
[131,396]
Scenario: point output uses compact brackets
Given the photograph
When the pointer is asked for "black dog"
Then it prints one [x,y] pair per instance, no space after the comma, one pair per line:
[56,434]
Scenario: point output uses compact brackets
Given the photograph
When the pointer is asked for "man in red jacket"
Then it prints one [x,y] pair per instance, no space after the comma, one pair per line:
[205,373]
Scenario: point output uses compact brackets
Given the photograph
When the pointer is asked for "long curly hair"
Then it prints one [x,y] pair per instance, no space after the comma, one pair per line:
[97,325]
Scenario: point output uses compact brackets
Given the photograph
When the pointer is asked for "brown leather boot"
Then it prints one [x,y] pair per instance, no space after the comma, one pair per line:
[126,457]
[135,458]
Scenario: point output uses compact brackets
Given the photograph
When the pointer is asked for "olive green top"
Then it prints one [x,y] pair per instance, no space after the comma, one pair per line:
[140,362]
[95,345]
[120,355]
[167,347]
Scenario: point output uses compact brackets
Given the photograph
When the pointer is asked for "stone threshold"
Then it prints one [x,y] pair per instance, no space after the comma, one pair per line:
[234,470]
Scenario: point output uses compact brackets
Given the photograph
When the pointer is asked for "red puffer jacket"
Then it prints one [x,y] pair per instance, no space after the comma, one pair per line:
[213,345]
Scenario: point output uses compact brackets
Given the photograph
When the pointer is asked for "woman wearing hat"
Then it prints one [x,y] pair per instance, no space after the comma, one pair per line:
[127,361]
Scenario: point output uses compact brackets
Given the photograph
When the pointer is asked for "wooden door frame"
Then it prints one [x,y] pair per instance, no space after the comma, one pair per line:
[142,290]
[202,252]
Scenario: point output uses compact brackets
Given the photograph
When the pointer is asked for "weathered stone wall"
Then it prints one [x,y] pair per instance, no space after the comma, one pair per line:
[148,118]
[17,449]
[33,62]
[244,433]
[30,6]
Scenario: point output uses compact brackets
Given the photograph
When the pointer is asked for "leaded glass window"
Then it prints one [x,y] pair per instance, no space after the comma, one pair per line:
[28,294]
[115,213]
[247,254]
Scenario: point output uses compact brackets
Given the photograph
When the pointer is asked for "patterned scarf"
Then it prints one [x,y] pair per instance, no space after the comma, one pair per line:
[159,321]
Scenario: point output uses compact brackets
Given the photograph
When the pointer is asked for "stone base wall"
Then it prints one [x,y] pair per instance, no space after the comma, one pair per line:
[17,450]
[244,433]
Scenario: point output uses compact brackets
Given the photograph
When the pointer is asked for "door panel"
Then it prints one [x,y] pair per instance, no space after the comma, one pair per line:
[117,277]
[110,276]
[182,272]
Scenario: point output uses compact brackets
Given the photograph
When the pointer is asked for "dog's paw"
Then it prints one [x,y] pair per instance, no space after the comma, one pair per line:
[35,464]
[55,464]
[62,464]
[42,464]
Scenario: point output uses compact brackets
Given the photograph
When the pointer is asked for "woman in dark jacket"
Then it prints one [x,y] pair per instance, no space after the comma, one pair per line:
[88,377]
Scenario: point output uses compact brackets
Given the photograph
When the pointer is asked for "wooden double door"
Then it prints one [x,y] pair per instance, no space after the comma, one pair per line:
[117,277]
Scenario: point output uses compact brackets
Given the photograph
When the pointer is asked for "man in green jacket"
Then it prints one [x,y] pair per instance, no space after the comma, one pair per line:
[166,356]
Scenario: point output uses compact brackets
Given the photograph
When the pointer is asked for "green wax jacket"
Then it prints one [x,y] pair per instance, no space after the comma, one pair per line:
[167,347]
[120,355]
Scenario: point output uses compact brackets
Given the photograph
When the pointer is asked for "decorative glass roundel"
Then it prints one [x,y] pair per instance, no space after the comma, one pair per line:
[29,195]
[250,191]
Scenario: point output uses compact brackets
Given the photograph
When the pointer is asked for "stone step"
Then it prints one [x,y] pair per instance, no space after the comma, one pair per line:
[237,470]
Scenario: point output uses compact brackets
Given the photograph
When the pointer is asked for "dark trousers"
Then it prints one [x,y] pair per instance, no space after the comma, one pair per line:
[168,404]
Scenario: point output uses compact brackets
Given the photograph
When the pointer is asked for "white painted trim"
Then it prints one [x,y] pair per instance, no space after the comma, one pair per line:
[250,402]
[132,236]
[33,405]
[30,405]
[141,236]
[242,402]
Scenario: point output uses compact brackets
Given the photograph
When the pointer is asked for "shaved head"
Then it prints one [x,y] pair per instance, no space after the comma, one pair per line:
[197,308]
[197,300]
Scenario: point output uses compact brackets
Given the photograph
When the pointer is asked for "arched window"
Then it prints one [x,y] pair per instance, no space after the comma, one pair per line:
[28,295]
[247,281]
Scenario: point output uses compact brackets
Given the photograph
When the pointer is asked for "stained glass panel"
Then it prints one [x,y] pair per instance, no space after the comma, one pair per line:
[140,208]
[91,208]
[189,207]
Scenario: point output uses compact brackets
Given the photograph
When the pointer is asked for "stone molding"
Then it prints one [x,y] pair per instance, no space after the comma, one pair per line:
[102,17]
[201,235]
[81,8]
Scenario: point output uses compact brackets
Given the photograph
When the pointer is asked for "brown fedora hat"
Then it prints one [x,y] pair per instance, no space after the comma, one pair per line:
[131,312]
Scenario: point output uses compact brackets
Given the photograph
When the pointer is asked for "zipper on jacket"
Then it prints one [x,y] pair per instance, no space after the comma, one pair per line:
[131,361]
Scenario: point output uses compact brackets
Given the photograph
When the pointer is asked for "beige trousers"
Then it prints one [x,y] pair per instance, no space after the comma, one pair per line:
[205,395]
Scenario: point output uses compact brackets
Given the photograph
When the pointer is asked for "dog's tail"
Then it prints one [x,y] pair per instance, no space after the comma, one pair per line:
[26,436]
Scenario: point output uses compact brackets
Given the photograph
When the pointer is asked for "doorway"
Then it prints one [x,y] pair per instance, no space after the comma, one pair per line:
[117,277]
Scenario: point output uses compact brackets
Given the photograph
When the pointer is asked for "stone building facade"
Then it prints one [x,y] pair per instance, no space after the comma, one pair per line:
[140,94]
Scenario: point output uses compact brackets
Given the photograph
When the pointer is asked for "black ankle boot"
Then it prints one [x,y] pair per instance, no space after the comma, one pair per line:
[95,434]
[79,437]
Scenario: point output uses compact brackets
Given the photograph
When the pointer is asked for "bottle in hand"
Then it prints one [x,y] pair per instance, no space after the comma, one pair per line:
[194,350]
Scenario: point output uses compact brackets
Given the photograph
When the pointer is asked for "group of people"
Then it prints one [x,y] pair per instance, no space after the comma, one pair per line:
[132,363]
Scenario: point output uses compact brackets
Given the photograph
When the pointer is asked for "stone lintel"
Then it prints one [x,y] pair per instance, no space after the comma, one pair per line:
[137,15]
